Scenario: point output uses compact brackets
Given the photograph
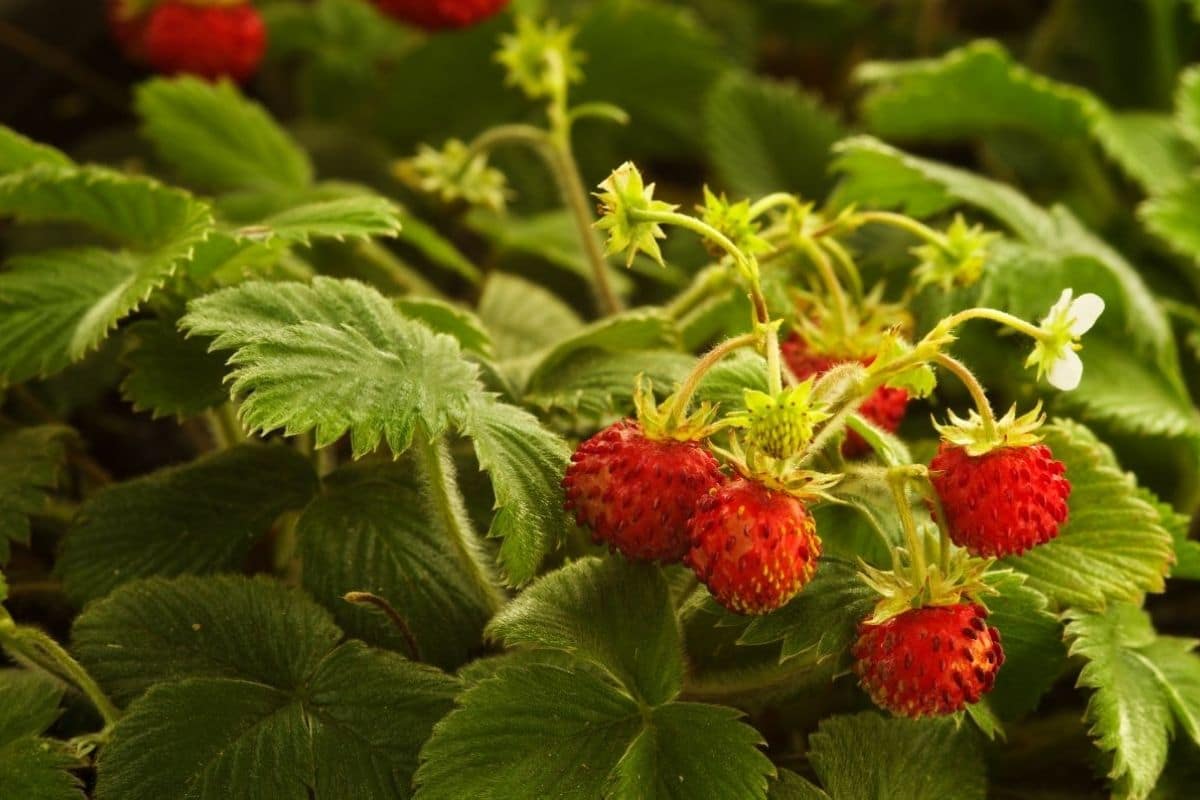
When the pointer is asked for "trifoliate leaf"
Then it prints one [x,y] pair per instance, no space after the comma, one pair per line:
[1034,653]
[1112,546]
[538,731]
[822,621]
[526,463]
[200,517]
[866,755]
[170,375]
[32,767]
[1144,684]
[304,718]
[765,137]
[30,459]
[450,319]
[18,152]
[613,614]
[369,532]
[217,139]
[334,356]
[358,216]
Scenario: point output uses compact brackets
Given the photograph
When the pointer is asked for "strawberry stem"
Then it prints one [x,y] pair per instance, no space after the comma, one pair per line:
[32,646]
[683,397]
[918,229]
[978,395]
[837,295]
[1016,323]
[898,482]
[847,264]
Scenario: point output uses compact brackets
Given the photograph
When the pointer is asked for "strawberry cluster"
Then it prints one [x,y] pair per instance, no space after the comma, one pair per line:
[206,38]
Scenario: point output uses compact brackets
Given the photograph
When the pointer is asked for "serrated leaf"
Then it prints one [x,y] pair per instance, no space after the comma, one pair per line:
[538,731]
[1034,653]
[31,767]
[1112,546]
[523,317]
[870,757]
[369,531]
[200,517]
[764,137]
[30,459]
[594,384]
[450,319]
[1170,215]
[332,357]
[310,719]
[615,615]
[170,375]
[131,209]
[974,89]
[628,331]
[725,384]
[822,621]
[217,139]
[18,152]
[790,786]
[353,217]
[1143,684]
[665,763]
[1147,147]
[526,463]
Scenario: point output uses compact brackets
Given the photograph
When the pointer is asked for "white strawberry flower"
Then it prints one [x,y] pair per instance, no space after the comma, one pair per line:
[1055,352]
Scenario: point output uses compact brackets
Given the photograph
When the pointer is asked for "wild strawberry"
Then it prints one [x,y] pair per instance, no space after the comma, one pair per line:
[929,661]
[753,547]
[210,41]
[885,407]
[637,493]
[438,14]
[1002,502]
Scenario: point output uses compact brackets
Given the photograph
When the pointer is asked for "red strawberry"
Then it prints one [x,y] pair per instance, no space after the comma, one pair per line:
[637,493]
[885,407]
[754,547]
[438,14]
[1002,502]
[929,661]
[211,41]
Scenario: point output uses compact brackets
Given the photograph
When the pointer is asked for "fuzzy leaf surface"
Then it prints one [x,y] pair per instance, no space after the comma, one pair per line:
[30,460]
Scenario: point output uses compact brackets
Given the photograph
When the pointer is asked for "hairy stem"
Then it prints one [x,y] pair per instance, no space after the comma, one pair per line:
[683,397]
[1004,318]
[446,503]
[973,385]
[918,229]
[38,649]
[840,306]
[898,482]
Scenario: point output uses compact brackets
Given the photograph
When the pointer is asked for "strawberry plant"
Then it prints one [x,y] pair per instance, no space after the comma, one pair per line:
[453,400]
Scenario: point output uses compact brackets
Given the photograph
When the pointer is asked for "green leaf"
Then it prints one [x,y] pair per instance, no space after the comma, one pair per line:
[526,463]
[1034,654]
[615,615]
[665,762]
[439,250]
[334,356]
[538,731]
[200,517]
[822,621]
[790,786]
[358,216]
[1112,547]
[765,137]
[170,375]
[976,89]
[18,152]
[219,715]
[450,319]
[31,767]
[867,757]
[131,209]
[30,459]
[628,331]
[216,138]
[1187,105]
[1147,147]
[596,384]
[1143,685]
[1169,216]
[368,531]
[523,317]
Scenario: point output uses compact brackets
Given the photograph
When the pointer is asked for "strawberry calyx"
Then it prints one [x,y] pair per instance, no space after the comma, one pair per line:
[666,422]
[778,474]
[973,434]
[959,580]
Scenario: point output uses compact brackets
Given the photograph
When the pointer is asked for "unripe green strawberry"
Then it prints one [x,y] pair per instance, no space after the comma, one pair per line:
[780,426]
[929,661]
[753,547]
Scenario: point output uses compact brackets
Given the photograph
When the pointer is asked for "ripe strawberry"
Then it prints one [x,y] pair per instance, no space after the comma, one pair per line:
[885,407]
[637,493]
[211,41]
[754,547]
[438,14]
[929,661]
[1002,502]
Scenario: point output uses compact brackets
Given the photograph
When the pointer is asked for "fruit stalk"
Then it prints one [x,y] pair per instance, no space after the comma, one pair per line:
[978,395]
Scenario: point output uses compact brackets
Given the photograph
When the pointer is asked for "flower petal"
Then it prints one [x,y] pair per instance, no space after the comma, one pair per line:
[1059,309]
[1084,312]
[1066,371]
